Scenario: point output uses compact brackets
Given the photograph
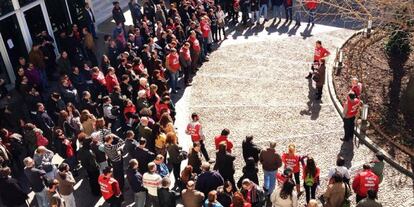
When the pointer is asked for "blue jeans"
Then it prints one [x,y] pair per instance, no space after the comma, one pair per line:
[269,181]
[255,16]
[277,11]
[312,14]
[42,198]
[139,199]
[173,80]
[263,11]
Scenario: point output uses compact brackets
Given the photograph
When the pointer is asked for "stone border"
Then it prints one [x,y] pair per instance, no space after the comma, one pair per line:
[338,106]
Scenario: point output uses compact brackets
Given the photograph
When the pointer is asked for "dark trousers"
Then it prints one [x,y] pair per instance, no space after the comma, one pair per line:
[119,173]
[91,28]
[214,32]
[310,192]
[219,32]
[319,92]
[204,151]
[289,13]
[93,182]
[349,125]
[195,58]
[176,170]
[359,198]
[152,201]
[114,201]
[187,73]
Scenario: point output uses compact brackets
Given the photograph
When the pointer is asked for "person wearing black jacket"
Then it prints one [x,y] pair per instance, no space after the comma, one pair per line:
[89,163]
[166,197]
[250,149]
[11,193]
[135,182]
[224,164]
[143,155]
[118,14]
[208,180]
[89,19]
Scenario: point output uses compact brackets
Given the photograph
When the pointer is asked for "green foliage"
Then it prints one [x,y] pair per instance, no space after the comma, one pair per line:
[398,45]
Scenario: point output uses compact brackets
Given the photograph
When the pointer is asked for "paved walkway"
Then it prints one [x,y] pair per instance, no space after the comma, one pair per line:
[254,84]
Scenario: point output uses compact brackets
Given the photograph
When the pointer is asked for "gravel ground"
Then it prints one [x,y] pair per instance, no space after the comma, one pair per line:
[255,85]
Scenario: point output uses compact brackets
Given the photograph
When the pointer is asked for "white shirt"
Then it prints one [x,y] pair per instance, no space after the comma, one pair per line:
[342,170]
[151,182]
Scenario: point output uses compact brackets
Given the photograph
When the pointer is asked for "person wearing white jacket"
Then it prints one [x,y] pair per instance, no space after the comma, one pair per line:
[285,196]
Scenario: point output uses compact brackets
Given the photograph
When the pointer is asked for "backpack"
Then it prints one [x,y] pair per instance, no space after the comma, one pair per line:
[309,180]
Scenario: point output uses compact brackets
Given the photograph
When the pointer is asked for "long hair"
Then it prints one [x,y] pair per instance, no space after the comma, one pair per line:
[310,167]
[238,200]
[287,189]
[186,173]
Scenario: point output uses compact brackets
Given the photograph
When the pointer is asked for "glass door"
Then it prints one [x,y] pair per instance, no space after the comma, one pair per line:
[13,40]
[35,22]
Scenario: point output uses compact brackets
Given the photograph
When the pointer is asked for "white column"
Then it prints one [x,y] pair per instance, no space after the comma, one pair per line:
[6,60]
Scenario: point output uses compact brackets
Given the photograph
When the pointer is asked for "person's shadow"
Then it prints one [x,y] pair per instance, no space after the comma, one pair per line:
[314,106]
[308,31]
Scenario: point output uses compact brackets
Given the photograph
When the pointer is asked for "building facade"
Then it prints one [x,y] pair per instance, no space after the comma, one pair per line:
[22,20]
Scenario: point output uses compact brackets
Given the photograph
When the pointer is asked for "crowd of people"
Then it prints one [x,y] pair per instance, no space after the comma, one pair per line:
[102,113]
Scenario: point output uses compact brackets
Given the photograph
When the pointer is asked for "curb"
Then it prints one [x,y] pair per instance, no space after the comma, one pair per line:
[362,138]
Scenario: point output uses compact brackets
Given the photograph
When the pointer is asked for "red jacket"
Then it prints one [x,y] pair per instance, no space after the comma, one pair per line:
[111,82]
[205,28]
[220,138]
[129,109]
[320,52]
[365,181]
[109,187]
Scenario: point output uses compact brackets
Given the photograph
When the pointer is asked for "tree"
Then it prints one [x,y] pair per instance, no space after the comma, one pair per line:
[398,50]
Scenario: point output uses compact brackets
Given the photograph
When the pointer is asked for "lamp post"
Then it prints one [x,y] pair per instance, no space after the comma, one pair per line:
[369,28]
[364,118]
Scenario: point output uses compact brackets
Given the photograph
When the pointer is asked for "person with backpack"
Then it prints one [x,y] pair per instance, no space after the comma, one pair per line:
[310,178]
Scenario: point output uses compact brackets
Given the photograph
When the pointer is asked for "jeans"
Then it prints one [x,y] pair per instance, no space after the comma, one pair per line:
[277,11]
[312,14]
[173,80]
[42,198]
[269,181]
[91,28]
[152,201]
[289,13]
[349,124]
[102,166]
[255,16]
[204,151]
[263,11]
[139,199]
[319,92]
[69,200]
[310,192]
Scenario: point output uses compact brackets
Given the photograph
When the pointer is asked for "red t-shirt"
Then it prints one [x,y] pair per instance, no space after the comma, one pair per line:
[195,44]
[205,28]
[291,161]
[352,107]
[320,52]
[218,139]
[111,81]
[311,4]
[173,62]
[186,53]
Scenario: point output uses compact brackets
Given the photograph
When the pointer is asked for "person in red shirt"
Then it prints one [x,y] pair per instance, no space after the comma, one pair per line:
[195,130]
[223,138]
[238,201]
[351,109]
[110,188]
[291,160]
[185,62]
[195,50]
[111,80]
[311,6]
[173,66]
[319,53]
[205,30]
[364,181]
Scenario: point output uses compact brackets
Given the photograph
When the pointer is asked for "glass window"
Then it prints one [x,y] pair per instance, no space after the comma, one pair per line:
[35,22]
[25,2]
[6,6]
[58,15]
[13,39]
[3,71]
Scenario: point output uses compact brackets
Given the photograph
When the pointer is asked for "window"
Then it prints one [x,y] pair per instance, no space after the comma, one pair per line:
[6,6]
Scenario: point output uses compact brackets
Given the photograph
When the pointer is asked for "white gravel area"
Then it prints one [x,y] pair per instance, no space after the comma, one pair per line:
[256,86]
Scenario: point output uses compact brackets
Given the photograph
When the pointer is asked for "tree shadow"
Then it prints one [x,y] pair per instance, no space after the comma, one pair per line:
[314,106]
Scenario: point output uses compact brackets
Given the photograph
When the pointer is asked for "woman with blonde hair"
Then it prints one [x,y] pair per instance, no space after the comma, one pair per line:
[88,122]
[291,160]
